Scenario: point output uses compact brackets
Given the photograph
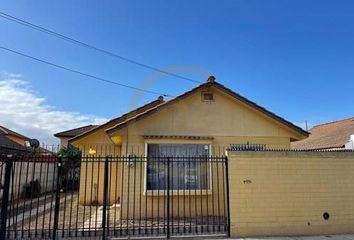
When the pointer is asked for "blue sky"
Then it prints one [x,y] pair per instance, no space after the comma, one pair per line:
[293,57]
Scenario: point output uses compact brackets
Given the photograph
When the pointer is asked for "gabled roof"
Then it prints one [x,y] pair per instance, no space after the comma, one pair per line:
[6,131]
[327,136]
[75,131]
[120,119]
[211,83]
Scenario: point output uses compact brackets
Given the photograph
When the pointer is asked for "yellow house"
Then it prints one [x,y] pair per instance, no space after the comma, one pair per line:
[204,121]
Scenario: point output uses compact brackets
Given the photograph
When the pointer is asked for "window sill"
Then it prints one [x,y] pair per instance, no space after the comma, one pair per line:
[156,193]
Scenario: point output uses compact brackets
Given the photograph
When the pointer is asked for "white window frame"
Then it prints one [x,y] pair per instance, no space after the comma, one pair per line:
[178,192]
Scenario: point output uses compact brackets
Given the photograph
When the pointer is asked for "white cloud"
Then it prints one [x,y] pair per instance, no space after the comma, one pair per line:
[22,110]
[6,74]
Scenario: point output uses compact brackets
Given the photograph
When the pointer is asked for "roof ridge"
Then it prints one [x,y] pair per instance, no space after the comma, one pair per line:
[332,122]
[73,129]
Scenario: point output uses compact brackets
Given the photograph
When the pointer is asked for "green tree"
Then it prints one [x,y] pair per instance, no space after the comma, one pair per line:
[70,172]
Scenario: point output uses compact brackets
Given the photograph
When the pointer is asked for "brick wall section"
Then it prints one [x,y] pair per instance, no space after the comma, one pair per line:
[287,193]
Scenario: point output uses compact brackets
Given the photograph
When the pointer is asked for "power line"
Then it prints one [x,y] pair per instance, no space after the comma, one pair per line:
[86,45]
[82,73]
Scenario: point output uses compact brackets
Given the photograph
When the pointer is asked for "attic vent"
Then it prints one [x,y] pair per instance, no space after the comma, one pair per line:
[208,96]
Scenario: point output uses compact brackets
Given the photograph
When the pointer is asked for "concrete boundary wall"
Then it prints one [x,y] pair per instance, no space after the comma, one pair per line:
[291,193]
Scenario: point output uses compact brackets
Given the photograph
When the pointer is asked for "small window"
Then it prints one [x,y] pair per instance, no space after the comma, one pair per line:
[208,97]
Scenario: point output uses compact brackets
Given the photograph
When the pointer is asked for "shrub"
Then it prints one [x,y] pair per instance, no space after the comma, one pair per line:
[32,189]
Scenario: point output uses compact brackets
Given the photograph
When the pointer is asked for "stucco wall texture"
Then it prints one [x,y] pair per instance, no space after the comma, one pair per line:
[290,193]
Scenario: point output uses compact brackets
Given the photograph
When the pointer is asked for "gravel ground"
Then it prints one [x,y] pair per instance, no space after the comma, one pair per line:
[80,219]
[71,214]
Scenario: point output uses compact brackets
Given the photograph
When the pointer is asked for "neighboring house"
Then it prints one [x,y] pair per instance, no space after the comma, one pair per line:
[68,134]
[329,136]
[38,165]
[11,141]
[13,136]
[9,146]
[202,122]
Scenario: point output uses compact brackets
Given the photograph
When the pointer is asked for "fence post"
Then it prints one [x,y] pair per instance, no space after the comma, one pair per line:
[105,192]
[57,199]
[227,196]
[5,196]
[168,197]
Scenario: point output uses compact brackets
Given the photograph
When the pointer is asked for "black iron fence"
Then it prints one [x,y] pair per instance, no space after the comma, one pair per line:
[111,196]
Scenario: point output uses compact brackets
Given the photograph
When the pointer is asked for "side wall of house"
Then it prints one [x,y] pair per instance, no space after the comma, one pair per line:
[64,141]
[100,142]
[92,169]
[288,193]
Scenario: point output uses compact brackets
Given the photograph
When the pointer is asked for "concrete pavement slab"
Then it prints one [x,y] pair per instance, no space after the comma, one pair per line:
[326,237]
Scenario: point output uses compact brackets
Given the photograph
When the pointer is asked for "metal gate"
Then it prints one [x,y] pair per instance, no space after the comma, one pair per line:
[46,196]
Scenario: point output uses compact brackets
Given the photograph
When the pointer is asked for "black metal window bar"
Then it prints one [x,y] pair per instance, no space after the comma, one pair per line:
[247,147]
[108,196]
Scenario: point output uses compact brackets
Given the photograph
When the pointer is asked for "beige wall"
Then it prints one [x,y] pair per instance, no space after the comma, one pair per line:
[92,181]
[64,141]
[92,169]
[286,193]
[100,142]
[225,119]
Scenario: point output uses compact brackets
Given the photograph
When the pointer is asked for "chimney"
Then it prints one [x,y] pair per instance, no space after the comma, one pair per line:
[211,79]
[350,144]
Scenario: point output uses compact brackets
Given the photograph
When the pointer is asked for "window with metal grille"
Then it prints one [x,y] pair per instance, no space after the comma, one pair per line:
[185,166]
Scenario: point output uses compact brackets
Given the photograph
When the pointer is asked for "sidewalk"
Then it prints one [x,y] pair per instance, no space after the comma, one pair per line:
[329,237]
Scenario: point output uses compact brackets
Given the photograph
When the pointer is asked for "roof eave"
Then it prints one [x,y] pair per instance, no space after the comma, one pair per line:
[78,137]
[263,110]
